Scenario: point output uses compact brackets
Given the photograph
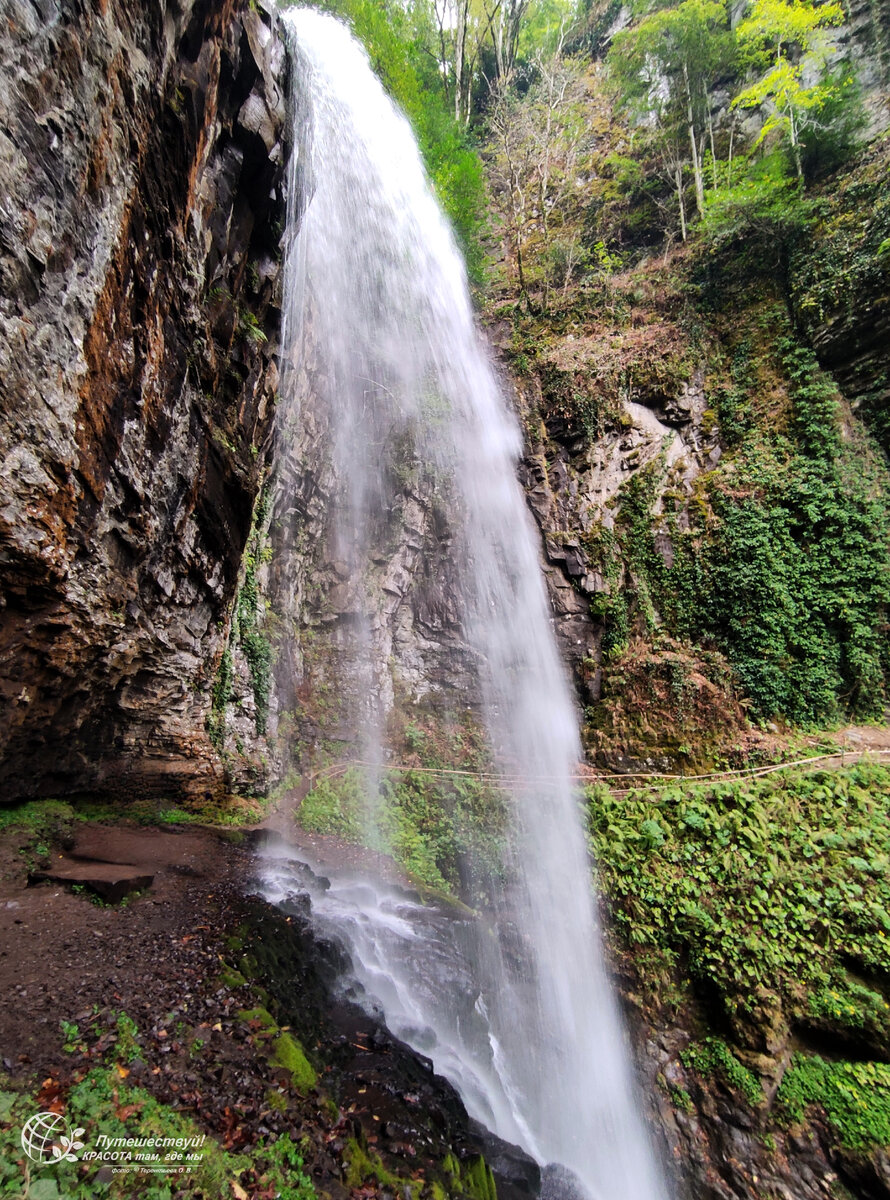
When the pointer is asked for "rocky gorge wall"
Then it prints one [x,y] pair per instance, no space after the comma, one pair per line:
[142,162]
[649,396]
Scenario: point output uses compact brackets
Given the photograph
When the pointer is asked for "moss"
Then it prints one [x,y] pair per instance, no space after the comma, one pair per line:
[287,1052]
[276,1100]
[230,978]
[362,1165]
[248,966]
[267,1021]
[854,1096]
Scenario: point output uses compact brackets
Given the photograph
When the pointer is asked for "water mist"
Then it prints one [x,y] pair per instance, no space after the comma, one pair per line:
[529,1033]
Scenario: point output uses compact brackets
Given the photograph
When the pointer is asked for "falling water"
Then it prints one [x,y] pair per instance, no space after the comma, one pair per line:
[374,275]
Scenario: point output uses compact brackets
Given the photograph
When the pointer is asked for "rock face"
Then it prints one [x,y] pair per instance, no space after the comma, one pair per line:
[414,631]
[141,159]
[840,290]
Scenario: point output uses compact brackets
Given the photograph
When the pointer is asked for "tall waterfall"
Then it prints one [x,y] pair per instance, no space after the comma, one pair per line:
[537,1050]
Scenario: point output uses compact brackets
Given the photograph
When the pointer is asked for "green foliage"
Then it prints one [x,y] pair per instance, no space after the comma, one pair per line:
[285,1167]
[845,263]
[478,1181]
[250,328]
[788,43]
[474,1181]
[762,212]
[41,818]
[762,886]
[713,1057]
[848,1005]
[249,634]
[430,824]
[104,1103]
[776,60]
[791,576]
[666,62]
[72,1041]
[733,404]
[855,1097]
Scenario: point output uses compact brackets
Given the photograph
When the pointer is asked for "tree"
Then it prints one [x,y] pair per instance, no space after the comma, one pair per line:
[788,40]
[666,66]
[536,141]
[505,19]
[463,27]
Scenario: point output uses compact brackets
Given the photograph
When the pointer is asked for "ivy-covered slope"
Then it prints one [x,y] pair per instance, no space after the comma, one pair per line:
[713,502]
[749,926]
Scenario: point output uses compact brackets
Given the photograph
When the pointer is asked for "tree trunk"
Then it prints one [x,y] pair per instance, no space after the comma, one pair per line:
[693,143]
[678,177]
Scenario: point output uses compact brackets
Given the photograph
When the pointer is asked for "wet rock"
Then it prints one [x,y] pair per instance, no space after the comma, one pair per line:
[511,1165]
[141,167]
[559,1183]
[107,880]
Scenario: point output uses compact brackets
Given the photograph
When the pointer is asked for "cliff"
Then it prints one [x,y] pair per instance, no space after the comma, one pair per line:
[141,161]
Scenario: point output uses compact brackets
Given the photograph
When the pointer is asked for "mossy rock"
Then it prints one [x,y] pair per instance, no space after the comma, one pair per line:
[479,1181]
[267,1021]
[363,1166]
[230,978]
[287,1052]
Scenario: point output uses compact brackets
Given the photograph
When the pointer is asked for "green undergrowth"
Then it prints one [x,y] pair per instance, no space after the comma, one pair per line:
[781,560]
[103,1103]
[855,1097]
[757,888]
[36,827]
[429,824]
[228,811]
[713,1057]
[443,824]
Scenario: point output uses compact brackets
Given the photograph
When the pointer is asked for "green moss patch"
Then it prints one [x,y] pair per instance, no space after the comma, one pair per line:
[287,1052]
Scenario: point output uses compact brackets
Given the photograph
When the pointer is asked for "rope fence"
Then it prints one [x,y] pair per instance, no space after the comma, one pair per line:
[588,775]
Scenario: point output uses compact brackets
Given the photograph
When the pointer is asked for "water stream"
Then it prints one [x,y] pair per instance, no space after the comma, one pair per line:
[514,1007]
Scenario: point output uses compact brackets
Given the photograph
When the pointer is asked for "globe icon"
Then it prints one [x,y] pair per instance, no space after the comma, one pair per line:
[40,1132]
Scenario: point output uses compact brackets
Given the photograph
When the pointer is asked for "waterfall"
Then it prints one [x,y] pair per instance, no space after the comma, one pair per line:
[527,1029]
